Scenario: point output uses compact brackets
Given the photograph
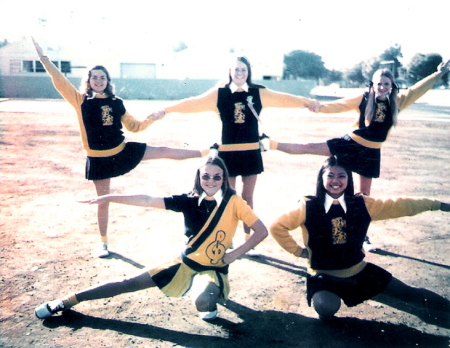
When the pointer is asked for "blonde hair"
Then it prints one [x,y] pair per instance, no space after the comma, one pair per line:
[393,97]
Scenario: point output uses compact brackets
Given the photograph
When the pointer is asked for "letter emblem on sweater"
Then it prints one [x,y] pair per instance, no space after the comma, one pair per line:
[107,118]
[339,236]
[239,116]
[380,113]
[216,250]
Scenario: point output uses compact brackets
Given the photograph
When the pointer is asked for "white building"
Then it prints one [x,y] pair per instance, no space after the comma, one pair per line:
[20,58]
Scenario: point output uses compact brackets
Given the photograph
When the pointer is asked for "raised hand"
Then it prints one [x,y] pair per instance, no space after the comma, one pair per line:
[39,50]
[444,66]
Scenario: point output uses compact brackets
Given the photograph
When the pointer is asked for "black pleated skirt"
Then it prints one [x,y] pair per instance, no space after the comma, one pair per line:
[100,168]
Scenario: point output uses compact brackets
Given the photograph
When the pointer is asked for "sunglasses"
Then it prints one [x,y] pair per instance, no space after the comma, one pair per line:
[207,177]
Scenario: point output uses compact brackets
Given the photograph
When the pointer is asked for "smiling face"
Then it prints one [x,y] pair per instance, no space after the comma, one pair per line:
[98,80]
[382,86]
[335,181]
[211,179]
[239,73]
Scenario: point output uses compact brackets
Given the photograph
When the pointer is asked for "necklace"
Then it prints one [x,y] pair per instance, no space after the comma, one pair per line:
[209,205]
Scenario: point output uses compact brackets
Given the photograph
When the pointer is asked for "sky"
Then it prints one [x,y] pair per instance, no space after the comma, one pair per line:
[343,33]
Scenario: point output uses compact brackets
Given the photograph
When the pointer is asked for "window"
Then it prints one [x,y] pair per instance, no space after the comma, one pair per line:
[36,66]
[39,67]
[27,66]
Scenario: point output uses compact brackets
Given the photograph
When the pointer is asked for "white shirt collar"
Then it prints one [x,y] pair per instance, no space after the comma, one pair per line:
[329,201]
[217,196]
[235,87]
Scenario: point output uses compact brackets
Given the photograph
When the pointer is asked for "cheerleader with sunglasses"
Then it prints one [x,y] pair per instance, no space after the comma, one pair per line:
[211,212]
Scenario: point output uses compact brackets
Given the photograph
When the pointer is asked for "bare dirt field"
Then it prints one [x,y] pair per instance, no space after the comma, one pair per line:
[48,239]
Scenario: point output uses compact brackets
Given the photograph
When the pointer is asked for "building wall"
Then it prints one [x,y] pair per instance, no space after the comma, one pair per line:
[146,89]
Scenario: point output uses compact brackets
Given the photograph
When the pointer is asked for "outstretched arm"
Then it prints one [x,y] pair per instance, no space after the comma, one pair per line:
[274,99]
[383,209]
[133,125]
[202,103]
[61,83]
[137,200]
[420,88]
[260,233]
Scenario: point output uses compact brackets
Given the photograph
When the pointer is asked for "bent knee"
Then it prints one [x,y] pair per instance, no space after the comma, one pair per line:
[325,303]
[207,300]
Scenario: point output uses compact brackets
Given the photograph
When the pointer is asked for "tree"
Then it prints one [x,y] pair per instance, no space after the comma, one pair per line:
[333,76]
[355,75]
[362,73]
[391,57]
[422,65]
[303,64]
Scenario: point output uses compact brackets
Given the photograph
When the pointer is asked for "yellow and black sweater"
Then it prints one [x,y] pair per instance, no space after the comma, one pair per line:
[205,251]
[239,125]
[100,119]
[344,237]
[374,134]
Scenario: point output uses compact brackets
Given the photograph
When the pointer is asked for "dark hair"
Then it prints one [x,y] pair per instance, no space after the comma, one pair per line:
[320,189]
[249,70]
[86,86]
[216,161]
[393,100]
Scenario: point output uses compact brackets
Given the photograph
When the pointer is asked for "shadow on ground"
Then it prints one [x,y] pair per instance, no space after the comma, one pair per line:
[262,329]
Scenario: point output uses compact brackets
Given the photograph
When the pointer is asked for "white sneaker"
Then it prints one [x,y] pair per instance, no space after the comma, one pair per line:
[46,310]
[103,250]
[368,246]
[208,315]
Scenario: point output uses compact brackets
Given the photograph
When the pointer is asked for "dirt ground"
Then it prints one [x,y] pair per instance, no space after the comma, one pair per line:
[48,239]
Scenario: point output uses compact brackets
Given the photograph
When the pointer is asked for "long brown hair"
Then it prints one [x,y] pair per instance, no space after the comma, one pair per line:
[86,86]
[249,70]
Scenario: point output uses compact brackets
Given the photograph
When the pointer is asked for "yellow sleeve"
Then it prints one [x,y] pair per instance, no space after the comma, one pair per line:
[133,125]
[380,209]
[204,102]
[413,93]
[244,212]
[62,84]
[342,105]
[273,99]
[288,222]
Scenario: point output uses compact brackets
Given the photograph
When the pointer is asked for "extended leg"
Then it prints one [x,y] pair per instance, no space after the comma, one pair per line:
[139,282]
[153,152]
[320,149]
